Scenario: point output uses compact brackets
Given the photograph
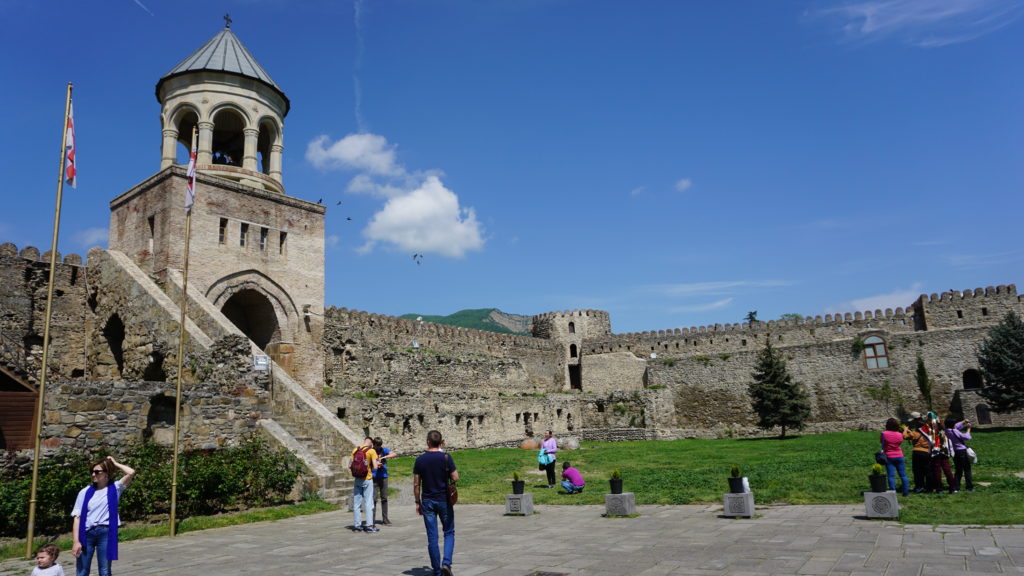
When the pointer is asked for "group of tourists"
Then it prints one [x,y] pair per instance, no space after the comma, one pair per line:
[572,479]
[935,445]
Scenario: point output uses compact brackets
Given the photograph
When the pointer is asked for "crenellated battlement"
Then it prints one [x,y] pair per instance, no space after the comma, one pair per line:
[960,307]
[10,250]
[401,331]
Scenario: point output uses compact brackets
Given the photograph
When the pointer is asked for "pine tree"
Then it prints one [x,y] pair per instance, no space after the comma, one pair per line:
[777,400]
[1001,359]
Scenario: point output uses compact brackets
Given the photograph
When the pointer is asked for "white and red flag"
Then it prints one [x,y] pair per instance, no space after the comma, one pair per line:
[70,166]
[190,186]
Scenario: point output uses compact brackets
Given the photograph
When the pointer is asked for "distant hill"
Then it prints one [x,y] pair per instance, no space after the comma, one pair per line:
[490,319]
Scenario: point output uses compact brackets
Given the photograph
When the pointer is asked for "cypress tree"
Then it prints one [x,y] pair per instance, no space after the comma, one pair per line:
[924,383]
[777,400]
[1001,360]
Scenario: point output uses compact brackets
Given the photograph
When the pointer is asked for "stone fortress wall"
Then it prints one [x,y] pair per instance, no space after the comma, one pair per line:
[398,378]
[686,382]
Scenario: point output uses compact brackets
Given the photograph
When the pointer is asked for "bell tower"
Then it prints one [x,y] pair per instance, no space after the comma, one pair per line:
[237,107]
[256,253]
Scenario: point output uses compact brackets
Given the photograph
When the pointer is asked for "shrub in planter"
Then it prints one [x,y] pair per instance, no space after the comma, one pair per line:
[615,481]
[735,481]
[518,484]
[879,482]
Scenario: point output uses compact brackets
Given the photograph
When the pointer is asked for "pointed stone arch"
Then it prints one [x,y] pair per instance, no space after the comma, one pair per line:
[261,308]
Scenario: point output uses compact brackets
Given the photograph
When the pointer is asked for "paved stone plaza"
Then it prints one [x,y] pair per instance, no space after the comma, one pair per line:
[576,540]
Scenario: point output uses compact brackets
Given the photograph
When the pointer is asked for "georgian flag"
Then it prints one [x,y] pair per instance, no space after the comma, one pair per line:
[190,186]
[70,168]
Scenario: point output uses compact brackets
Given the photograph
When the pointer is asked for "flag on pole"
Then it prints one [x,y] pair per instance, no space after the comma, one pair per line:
[190,187]
[70,168]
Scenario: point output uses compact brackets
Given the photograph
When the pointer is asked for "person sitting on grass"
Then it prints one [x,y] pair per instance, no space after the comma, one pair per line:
[572,480]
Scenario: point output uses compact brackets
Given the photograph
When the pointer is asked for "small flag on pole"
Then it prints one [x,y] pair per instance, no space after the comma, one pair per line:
[70,167]
[190,187]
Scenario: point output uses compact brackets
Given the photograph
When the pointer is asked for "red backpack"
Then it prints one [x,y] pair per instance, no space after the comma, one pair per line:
[358,466]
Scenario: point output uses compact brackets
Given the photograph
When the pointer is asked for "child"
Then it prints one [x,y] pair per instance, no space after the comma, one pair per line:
[46,561]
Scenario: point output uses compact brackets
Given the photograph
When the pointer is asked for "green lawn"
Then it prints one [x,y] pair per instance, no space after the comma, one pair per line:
[809,469]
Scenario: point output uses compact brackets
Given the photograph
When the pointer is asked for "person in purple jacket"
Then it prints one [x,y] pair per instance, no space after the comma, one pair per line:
[959,434]
[572,480]
[550,447]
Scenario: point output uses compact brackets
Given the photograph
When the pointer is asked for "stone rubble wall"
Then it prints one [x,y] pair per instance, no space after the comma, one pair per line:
[216,412]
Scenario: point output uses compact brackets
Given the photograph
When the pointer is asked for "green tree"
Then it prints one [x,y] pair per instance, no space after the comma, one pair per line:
[924,383]
[751,317]
[1001,359]
[791,316]
[777,400]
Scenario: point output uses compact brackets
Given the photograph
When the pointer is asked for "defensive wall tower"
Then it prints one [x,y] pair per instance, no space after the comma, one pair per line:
[569,329]
[255,253]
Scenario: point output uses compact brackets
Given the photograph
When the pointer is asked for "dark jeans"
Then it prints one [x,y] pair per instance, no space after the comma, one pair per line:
[380,491]
[550,469]
[940,467]
[963,468]
[920,462]
[95,543]
[432,511]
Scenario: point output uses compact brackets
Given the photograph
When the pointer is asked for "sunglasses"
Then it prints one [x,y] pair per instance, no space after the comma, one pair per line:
[95,472]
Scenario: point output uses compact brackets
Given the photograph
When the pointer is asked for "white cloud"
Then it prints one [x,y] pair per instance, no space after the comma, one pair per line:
[899,298]
[91,237]
[420,214]
[975,261]
[684,184]
[427,219]
[713,288]
[924,23]
[333,240]
[637,191]
[716,305]
[361,152]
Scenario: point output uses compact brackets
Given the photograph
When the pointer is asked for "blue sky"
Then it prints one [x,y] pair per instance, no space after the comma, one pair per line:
[673,163]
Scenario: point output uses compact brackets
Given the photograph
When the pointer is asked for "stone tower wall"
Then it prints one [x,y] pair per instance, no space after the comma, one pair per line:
[282,259]
[24,277]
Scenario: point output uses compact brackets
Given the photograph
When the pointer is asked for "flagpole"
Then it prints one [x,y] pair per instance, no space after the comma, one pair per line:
[46,335]
[181,332]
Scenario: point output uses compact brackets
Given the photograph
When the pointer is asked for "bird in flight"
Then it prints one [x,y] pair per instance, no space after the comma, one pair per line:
[418,258]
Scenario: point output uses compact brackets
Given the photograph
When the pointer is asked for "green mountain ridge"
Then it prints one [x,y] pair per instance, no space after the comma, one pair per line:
[490,319]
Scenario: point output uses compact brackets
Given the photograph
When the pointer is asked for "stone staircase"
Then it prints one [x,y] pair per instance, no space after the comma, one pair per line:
[299,423]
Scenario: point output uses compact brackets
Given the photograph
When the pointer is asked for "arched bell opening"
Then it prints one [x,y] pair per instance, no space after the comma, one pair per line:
[268,135]
[184,123]
[228,145]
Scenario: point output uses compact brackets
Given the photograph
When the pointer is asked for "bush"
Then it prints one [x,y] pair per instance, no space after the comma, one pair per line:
[209,482]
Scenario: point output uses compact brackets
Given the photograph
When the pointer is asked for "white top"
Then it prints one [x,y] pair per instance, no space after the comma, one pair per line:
[54,570]
[98,514]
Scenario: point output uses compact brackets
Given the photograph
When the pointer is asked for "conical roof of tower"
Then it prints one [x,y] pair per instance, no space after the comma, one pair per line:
[224,53]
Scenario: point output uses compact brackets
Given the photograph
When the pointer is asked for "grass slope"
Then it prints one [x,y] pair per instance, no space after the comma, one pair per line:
[812,469]
[478,319]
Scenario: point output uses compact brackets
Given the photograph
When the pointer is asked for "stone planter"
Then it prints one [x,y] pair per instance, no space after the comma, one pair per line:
[738,504]
[616,485]
[881,505]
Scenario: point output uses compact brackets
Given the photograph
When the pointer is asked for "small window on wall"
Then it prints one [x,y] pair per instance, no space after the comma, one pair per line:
[572,327]
[243,232]
[263,239]
[222,234]
[282,242]
[875,353]
[573,353]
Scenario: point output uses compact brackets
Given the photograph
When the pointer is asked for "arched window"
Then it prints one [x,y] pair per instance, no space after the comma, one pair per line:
[972,379]
[573,352]
[875,353]
[572,327]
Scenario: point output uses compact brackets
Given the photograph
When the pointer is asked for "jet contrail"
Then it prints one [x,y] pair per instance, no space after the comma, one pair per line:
[357,67]
[143,6]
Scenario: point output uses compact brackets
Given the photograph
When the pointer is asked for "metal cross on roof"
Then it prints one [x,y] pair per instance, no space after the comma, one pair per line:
[227,20]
